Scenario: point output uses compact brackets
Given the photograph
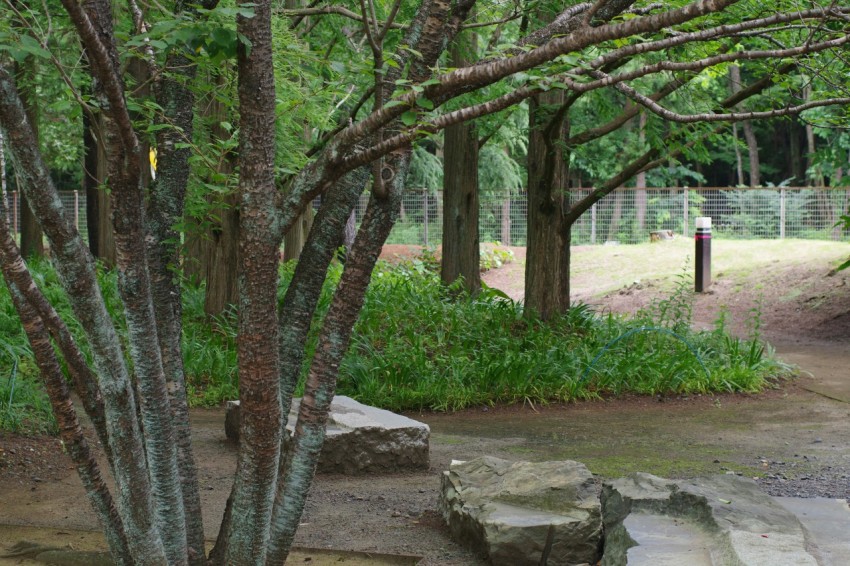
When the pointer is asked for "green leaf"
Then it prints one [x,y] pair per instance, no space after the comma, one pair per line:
[424,103]
[392,103]
[408,118]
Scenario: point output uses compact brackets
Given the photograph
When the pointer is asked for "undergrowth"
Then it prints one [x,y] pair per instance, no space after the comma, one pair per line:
[420,345]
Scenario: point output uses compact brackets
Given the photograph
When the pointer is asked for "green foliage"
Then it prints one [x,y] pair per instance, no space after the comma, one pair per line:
[24,406]
[495,256]
[426,170]
[419,345]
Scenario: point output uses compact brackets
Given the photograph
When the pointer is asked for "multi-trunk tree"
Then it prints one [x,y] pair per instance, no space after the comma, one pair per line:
[135,388]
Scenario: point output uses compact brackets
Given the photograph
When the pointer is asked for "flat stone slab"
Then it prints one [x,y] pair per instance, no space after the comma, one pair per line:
[359,439]
[523,513]
[730,518]
[827,522]
[666,541]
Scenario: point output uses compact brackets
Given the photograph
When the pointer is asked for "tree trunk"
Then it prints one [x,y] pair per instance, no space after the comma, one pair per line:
[105,228]
[640,181]
[753,150]
[90,185]
[739,161]
[734,87]
[220,257]
[166,201]
[294,240]
[32,239]
[546,274]
[78,275]
[257,344]
[461,247]
[797,165]
[506,221]
[212,252]
[749,135]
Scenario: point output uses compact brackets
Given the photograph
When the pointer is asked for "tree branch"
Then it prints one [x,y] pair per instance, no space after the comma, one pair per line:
[476,76]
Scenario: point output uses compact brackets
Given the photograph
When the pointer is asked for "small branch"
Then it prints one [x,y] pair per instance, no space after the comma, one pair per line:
[711,33]
[390,19]
[142,28]
[698,65]
[659,110]
[300,13]
[476,76]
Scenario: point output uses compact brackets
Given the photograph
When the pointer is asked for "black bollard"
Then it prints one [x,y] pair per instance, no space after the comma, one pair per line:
[702,280]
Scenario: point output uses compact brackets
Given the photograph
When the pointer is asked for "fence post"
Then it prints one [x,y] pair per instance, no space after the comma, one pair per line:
[685,207]
[593,223]
[77,210]
[782,214]
[425,209]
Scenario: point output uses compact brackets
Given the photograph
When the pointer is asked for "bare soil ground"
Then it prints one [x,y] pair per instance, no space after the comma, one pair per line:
[795,439]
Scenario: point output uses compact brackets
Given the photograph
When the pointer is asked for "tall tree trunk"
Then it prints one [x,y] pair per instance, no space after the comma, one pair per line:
[32,239]
[259,367]
[734,87]
[506,220]
[294,240]
[814,175]
[640,181]
[166,200]
[798,161]
[106,230]
[212,253]
[749,134]
[221,256]
[739,161]
[90,185]
[753,151]
[546,274]
[461,247]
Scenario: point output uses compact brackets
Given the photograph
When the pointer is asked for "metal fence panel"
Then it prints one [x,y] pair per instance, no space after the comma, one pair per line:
[629,215]
[626,216]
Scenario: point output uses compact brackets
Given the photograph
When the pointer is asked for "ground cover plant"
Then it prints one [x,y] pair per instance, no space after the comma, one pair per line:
[419,345]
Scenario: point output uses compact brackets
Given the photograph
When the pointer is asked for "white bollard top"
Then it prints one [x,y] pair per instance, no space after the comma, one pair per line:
[704,222]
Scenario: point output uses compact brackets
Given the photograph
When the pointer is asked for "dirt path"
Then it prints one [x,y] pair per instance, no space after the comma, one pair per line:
[796,439]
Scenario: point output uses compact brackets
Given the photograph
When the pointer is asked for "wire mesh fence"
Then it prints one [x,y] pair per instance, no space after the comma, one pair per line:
[74,203]
[626,216]
[630,216]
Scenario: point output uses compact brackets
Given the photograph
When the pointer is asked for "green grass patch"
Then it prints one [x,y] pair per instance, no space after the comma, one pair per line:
[24,406]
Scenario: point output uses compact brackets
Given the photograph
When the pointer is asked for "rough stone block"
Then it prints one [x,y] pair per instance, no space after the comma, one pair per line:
[516,513]
[359,438]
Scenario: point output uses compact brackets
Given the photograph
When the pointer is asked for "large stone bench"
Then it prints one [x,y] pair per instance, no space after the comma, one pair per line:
[360,439]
